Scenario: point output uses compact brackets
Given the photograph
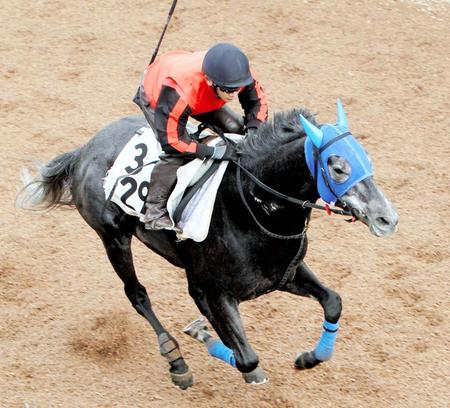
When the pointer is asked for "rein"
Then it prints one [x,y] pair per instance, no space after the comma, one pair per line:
[262,185]
[291,269]
[302,203]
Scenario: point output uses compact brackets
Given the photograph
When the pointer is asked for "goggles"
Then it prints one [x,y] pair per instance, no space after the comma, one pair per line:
[227,90]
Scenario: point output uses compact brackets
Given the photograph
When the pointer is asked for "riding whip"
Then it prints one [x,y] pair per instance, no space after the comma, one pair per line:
[172,9]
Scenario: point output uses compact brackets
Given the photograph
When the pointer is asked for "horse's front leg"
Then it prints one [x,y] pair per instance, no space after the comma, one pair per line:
[233,348]
[305,283]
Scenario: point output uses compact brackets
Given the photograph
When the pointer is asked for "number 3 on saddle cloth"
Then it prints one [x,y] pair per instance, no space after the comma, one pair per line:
[127,181]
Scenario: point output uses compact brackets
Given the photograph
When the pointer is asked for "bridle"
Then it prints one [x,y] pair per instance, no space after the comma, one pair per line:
[303,203]
[291,269]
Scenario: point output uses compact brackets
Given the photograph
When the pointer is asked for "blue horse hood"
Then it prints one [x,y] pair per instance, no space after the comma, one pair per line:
[337,141]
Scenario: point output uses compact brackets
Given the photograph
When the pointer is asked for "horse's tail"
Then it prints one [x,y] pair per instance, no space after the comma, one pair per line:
[51,187]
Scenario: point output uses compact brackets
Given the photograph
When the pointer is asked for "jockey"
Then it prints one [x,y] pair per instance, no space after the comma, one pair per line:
[181,84]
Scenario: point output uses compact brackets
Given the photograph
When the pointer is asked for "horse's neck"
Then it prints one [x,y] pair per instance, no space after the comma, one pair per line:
[285,170]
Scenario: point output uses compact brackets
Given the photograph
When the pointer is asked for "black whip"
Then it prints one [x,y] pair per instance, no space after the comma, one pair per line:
[172,9]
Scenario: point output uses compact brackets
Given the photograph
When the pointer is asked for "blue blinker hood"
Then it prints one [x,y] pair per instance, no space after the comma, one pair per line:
[334,140]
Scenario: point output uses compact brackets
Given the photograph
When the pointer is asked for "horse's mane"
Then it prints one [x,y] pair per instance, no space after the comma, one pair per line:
[282,128]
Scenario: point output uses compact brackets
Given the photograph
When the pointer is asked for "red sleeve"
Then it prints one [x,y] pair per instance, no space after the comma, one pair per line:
[171,116]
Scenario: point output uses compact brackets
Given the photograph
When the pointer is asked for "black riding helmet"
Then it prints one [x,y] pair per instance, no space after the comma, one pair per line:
[227,66]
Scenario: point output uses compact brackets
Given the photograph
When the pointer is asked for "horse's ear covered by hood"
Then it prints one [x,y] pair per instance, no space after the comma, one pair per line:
[315,134]
[334,140]
[312,132]
[341,116]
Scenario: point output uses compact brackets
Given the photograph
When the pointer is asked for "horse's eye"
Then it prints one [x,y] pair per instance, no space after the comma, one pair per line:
[339,169]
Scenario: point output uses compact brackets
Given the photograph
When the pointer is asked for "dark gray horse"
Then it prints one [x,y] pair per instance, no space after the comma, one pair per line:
[257,239]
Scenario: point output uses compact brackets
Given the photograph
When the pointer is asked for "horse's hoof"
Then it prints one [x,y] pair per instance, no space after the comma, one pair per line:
[197,330]
[184,380]
[306,360]
[257,376]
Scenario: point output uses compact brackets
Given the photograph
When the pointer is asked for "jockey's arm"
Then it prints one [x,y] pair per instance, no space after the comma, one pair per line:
[171,116]
[254,102]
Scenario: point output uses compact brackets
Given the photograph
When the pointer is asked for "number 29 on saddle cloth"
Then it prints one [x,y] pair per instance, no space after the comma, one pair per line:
[127,181]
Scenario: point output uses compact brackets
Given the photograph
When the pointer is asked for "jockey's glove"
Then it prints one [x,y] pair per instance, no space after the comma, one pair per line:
[204,151]
[224,152]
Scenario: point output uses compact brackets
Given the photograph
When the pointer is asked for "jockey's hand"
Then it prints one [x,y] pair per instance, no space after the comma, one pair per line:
[251,131]
[225,152]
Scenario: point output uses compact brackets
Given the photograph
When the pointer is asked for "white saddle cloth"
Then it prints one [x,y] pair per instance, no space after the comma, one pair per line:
[127,181]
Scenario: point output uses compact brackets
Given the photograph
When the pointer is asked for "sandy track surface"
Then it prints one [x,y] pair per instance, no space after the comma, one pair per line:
[69,338]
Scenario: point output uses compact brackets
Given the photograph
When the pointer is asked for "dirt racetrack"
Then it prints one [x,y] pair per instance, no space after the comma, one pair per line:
[68,336]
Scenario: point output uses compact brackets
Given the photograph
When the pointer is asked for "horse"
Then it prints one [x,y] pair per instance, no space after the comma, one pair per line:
[257,239]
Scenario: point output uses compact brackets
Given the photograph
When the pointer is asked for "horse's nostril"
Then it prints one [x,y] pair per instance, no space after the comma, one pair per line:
[385,221]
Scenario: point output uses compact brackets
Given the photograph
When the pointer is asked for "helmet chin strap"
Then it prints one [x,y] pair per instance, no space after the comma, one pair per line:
[214,87]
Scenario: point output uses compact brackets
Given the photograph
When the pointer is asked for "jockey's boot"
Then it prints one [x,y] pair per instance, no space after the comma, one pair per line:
[164,176]
[198,330]
[156,216]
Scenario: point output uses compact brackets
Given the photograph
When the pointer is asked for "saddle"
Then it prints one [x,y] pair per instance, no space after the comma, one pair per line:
[191,202]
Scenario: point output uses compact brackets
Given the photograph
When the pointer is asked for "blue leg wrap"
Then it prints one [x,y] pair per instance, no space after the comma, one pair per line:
[325,346]
[222,352]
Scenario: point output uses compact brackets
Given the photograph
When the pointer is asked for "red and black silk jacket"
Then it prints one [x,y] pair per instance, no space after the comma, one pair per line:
[176,88]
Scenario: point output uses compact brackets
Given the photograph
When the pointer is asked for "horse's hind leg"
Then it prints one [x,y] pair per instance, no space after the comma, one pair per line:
[305,283]
[119,253]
